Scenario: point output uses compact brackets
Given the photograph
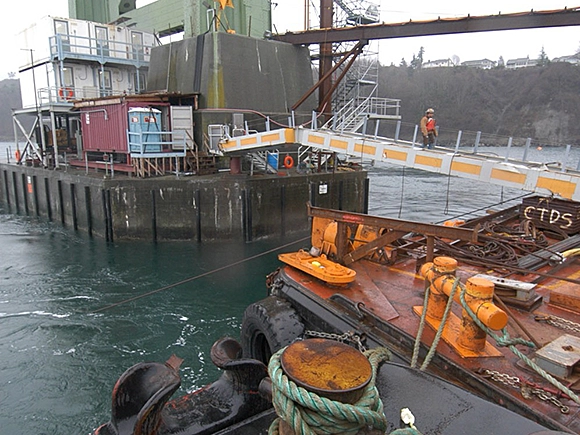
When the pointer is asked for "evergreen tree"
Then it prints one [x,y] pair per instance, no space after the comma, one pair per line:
[543,59]
[403,63]
[417,61]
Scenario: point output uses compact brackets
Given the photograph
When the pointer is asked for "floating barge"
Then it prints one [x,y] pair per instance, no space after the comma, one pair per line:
[490,305]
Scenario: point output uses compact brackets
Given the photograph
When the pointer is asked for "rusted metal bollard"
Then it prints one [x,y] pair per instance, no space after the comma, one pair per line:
[479,297]
[327,368]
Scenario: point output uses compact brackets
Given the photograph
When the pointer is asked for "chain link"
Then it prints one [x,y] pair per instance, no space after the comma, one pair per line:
[527,392]
[504,378]
[347,337]
[559,322]
[549,397]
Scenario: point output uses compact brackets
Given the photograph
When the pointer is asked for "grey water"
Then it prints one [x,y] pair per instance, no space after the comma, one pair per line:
[66,333]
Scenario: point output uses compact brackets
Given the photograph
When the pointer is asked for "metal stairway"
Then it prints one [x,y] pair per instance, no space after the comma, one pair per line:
[353,115]
[360,81]
[259,161]
[359,12]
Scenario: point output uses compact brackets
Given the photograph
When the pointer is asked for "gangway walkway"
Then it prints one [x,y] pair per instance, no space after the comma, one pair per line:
[529,176]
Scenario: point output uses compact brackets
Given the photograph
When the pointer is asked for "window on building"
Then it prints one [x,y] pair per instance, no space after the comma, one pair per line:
[66,89]
[102,40]
[140,82]
[62,34]
[68,77]
[105,83]
[137,45]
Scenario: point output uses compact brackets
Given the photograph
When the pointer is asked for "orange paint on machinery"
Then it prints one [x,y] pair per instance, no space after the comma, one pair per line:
[478,296]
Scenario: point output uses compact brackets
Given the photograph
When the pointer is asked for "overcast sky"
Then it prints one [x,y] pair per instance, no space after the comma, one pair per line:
[491,45]
[289,15]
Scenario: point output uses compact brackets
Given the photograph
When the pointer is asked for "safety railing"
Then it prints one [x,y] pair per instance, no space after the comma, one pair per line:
[68,94]
[489,145]
[87,48]
[157,144]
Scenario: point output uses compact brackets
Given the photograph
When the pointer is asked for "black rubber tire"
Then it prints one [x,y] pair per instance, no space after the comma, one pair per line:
[268,326]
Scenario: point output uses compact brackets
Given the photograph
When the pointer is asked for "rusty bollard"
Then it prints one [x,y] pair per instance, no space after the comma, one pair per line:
[328,368]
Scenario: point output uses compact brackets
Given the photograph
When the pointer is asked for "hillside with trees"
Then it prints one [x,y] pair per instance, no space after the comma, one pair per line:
[10,97]
[538,102]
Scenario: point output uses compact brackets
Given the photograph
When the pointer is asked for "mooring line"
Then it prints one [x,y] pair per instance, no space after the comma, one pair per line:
[193,278]
[485,207]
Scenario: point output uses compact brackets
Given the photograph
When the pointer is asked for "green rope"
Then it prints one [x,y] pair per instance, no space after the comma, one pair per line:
[506,341]
[406,431]
[421,327]
[439,333]
[442,324]
[308,414]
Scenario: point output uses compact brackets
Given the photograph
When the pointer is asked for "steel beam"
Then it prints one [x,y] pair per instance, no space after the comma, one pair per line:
[469,24]
[398,225]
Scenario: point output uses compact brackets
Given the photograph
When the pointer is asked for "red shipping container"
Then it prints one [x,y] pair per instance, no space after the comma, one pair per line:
[105,124]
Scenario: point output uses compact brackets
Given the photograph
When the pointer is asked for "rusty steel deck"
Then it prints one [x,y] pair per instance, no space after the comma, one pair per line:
[389,299]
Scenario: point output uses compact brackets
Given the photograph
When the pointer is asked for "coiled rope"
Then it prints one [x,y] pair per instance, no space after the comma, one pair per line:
[506,340]
[308,414]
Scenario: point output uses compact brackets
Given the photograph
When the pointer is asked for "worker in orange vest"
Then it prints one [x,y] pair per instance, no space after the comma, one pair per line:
[428,129]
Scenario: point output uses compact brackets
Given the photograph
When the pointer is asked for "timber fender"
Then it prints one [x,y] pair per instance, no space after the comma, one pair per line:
[268,326]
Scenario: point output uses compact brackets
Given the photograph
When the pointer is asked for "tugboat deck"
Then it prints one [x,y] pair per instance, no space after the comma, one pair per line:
[540,296]
[438,406]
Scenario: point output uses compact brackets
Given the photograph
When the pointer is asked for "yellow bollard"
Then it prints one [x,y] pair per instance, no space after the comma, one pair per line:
[463,334]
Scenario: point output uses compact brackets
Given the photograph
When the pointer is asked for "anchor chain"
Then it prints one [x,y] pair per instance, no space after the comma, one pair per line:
[527,391]
[349,337]
[559,322]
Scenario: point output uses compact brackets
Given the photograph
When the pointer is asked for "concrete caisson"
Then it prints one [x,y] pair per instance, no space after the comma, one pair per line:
[205,208]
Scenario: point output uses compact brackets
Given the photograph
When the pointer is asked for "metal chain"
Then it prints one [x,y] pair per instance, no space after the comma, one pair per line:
[559,322]
[503,378]
[549,397]
[527,392]
[347,337]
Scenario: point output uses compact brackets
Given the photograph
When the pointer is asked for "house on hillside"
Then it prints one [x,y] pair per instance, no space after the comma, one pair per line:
[480,63]
[573,59]
[437,63]
[522,62]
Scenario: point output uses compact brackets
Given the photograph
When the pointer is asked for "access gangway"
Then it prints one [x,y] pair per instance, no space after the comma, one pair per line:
[536,177]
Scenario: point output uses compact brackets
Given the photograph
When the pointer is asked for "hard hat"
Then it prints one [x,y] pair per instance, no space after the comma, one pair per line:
[429,111]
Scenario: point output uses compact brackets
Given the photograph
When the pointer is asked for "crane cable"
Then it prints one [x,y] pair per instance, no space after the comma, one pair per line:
[193,278]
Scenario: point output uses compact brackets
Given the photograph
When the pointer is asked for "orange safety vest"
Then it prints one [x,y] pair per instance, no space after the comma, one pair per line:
[430,125]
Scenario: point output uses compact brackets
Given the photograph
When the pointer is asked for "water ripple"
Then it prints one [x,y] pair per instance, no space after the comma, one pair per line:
[34,313]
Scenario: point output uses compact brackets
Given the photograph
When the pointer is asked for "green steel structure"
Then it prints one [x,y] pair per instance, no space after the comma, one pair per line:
[193,17]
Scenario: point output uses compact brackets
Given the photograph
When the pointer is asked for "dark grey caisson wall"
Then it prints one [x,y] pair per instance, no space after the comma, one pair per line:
[214,207]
